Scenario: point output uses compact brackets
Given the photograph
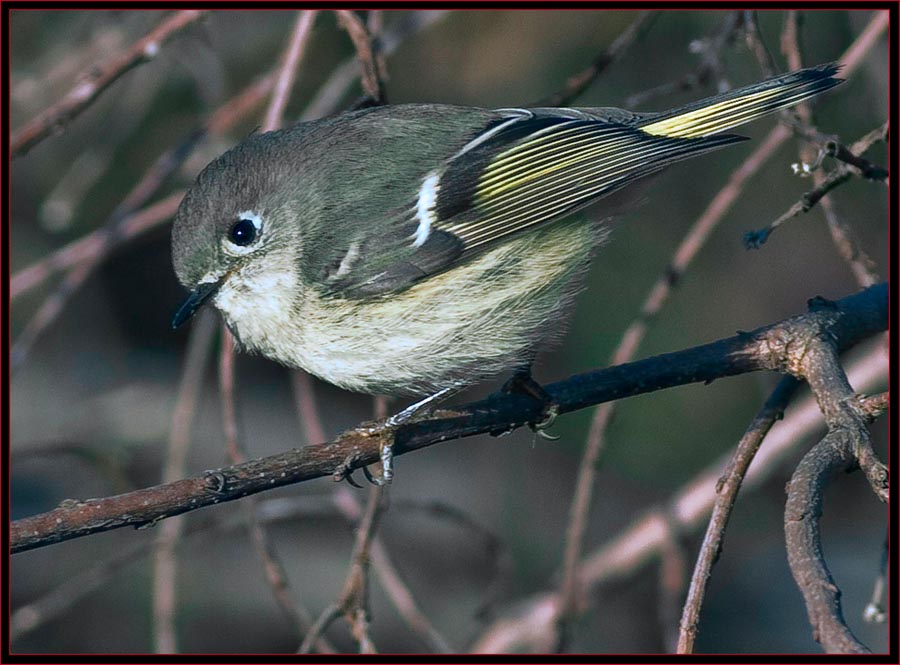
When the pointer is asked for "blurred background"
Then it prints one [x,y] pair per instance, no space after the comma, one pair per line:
[92,396]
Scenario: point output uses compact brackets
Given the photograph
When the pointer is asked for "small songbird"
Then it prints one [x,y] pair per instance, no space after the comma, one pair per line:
[419,248]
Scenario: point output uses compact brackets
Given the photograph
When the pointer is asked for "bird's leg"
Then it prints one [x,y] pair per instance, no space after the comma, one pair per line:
[524,384]
[403,417]
[406,415]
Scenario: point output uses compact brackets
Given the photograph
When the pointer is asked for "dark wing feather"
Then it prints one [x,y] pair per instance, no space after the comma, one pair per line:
[531,168]
[550,174]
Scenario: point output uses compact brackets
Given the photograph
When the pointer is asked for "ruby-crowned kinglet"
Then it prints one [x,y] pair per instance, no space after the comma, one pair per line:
[413,248]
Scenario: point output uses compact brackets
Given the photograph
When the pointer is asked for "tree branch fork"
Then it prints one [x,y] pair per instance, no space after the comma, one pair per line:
[782,347]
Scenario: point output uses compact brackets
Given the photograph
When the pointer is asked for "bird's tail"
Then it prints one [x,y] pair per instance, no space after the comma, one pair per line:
[736,107]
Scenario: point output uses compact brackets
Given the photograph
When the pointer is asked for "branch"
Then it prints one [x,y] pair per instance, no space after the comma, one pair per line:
[164,561]
[804,547]
[848,321]
[97,79]
[726,495]
[848,246]
[755,239]
[846,446]
[579,82]
[373,74]
[291,61]
[709,49]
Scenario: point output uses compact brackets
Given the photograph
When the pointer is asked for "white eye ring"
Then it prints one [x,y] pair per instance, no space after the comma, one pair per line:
[239,249]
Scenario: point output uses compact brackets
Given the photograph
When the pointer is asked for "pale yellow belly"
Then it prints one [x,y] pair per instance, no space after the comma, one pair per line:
[481,318]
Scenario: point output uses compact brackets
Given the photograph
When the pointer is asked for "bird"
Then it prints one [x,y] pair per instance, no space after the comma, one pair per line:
[416,249]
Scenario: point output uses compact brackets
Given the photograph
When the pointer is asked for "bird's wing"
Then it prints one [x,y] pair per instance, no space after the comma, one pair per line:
[526,169]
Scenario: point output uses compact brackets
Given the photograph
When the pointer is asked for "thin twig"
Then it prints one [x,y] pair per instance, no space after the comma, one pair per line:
[97,79]
[726,495]
[578,83]
[373,75]
[273,570]
[845,240]
[164,563]
[317,630]
[354,598]
[875,612]
[397,590]
[344,498]
[288,72]
[330,94]
[755,239]
[390,579]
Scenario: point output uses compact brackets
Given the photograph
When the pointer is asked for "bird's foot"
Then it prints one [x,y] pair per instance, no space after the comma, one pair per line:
[522,383]
[387,427]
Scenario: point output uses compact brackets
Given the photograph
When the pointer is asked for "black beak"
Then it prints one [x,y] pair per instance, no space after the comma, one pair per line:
[192,304]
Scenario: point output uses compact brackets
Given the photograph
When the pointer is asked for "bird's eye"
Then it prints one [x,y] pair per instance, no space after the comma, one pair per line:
[242,233]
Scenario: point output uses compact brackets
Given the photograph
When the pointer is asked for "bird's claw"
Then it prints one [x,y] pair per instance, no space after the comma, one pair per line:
[540,428]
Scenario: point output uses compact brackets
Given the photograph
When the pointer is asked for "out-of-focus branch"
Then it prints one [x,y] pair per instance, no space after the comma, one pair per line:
[288,72]
[710,50]
[96,79]
[849,320]
[164,564]
[578,83]
[92,249]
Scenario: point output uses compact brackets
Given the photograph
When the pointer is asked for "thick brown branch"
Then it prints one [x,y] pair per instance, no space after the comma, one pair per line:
[804,545]
[846,446]
[848,321]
